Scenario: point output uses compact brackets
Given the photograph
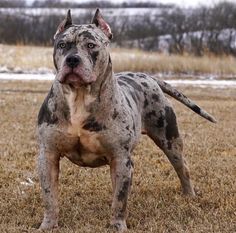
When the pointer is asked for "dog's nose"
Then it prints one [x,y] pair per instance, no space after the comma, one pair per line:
[73,61]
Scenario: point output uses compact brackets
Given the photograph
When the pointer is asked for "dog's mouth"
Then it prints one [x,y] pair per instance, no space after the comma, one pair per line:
[76,77]
[73,79]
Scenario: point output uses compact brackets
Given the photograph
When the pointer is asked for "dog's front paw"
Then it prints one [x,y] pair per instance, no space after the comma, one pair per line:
[189,192]
[119,225]
[49,224]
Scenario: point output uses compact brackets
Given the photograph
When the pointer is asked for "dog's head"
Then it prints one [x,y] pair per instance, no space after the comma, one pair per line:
[81,51]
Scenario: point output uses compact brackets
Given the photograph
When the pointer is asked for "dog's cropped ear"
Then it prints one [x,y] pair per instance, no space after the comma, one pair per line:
[64,24]
[99,21]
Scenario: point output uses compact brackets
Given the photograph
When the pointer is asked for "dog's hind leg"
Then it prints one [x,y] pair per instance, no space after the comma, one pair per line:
[174,152]
[165,134]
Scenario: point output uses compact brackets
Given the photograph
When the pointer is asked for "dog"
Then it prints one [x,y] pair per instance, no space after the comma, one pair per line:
[94,117]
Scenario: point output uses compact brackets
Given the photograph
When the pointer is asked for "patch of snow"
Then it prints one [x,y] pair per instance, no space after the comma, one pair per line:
[200,82]
[204,83]
[12,76]
[4,69]
[28,182]
[191,76]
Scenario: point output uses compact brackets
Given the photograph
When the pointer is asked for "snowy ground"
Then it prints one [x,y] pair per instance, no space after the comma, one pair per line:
[180,82]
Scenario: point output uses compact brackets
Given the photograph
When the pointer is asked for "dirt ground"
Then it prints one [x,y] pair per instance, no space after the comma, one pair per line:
[155,204]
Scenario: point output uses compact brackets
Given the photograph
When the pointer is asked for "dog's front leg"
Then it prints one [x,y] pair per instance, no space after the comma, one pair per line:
[48,166]
[121,175]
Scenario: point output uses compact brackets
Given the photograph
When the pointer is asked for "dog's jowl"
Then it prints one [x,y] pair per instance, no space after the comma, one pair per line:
[94,117]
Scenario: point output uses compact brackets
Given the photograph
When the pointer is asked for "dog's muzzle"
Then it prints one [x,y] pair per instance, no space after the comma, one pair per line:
[71,74]
[74,73]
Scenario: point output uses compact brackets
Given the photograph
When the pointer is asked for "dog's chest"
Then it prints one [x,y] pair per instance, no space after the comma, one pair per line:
[89,140]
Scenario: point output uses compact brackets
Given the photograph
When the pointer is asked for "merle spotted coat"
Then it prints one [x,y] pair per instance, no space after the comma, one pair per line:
[94,117]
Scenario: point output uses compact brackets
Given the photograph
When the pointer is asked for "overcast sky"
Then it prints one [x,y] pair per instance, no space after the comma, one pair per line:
[184,3]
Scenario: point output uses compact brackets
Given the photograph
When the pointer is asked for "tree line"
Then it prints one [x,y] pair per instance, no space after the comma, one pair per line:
[89,4]
[198,30]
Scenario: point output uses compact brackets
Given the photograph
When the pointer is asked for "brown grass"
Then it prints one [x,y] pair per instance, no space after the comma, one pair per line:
[153,62]
[29,57]
[25,57]
[155,204]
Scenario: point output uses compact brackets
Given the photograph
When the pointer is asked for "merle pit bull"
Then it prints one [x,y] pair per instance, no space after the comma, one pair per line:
[95,117]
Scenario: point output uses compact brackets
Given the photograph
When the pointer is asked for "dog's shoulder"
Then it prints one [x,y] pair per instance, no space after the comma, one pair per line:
[54,108]
[46,111]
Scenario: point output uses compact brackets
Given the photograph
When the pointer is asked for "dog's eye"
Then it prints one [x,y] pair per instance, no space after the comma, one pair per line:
[91,45]
[62,45]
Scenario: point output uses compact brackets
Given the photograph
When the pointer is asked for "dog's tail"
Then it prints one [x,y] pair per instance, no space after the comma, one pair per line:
[168,89]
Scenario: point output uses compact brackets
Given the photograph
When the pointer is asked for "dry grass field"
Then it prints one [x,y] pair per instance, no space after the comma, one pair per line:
[18,57]
[155,205]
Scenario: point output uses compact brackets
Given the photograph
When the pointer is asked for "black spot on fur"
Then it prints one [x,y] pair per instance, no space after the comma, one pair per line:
[115,114]
[89,26]
[133,126]
[132,83]
[124,190]
[134,97]
[45,114]
[196,109]
[127,99]
[125,144]
[160,122]
[70,45]
[151,114]
[136,86]
[126,147]
[70,49]
[144,84]
[171,128]
[184,96]
[169,145]
[94,56]
[46,190]
[122,83]
[74,29]
[145,104]
[88,35]
[129,163]
[130,74]
[141,75]
[92,125]
[155,97]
